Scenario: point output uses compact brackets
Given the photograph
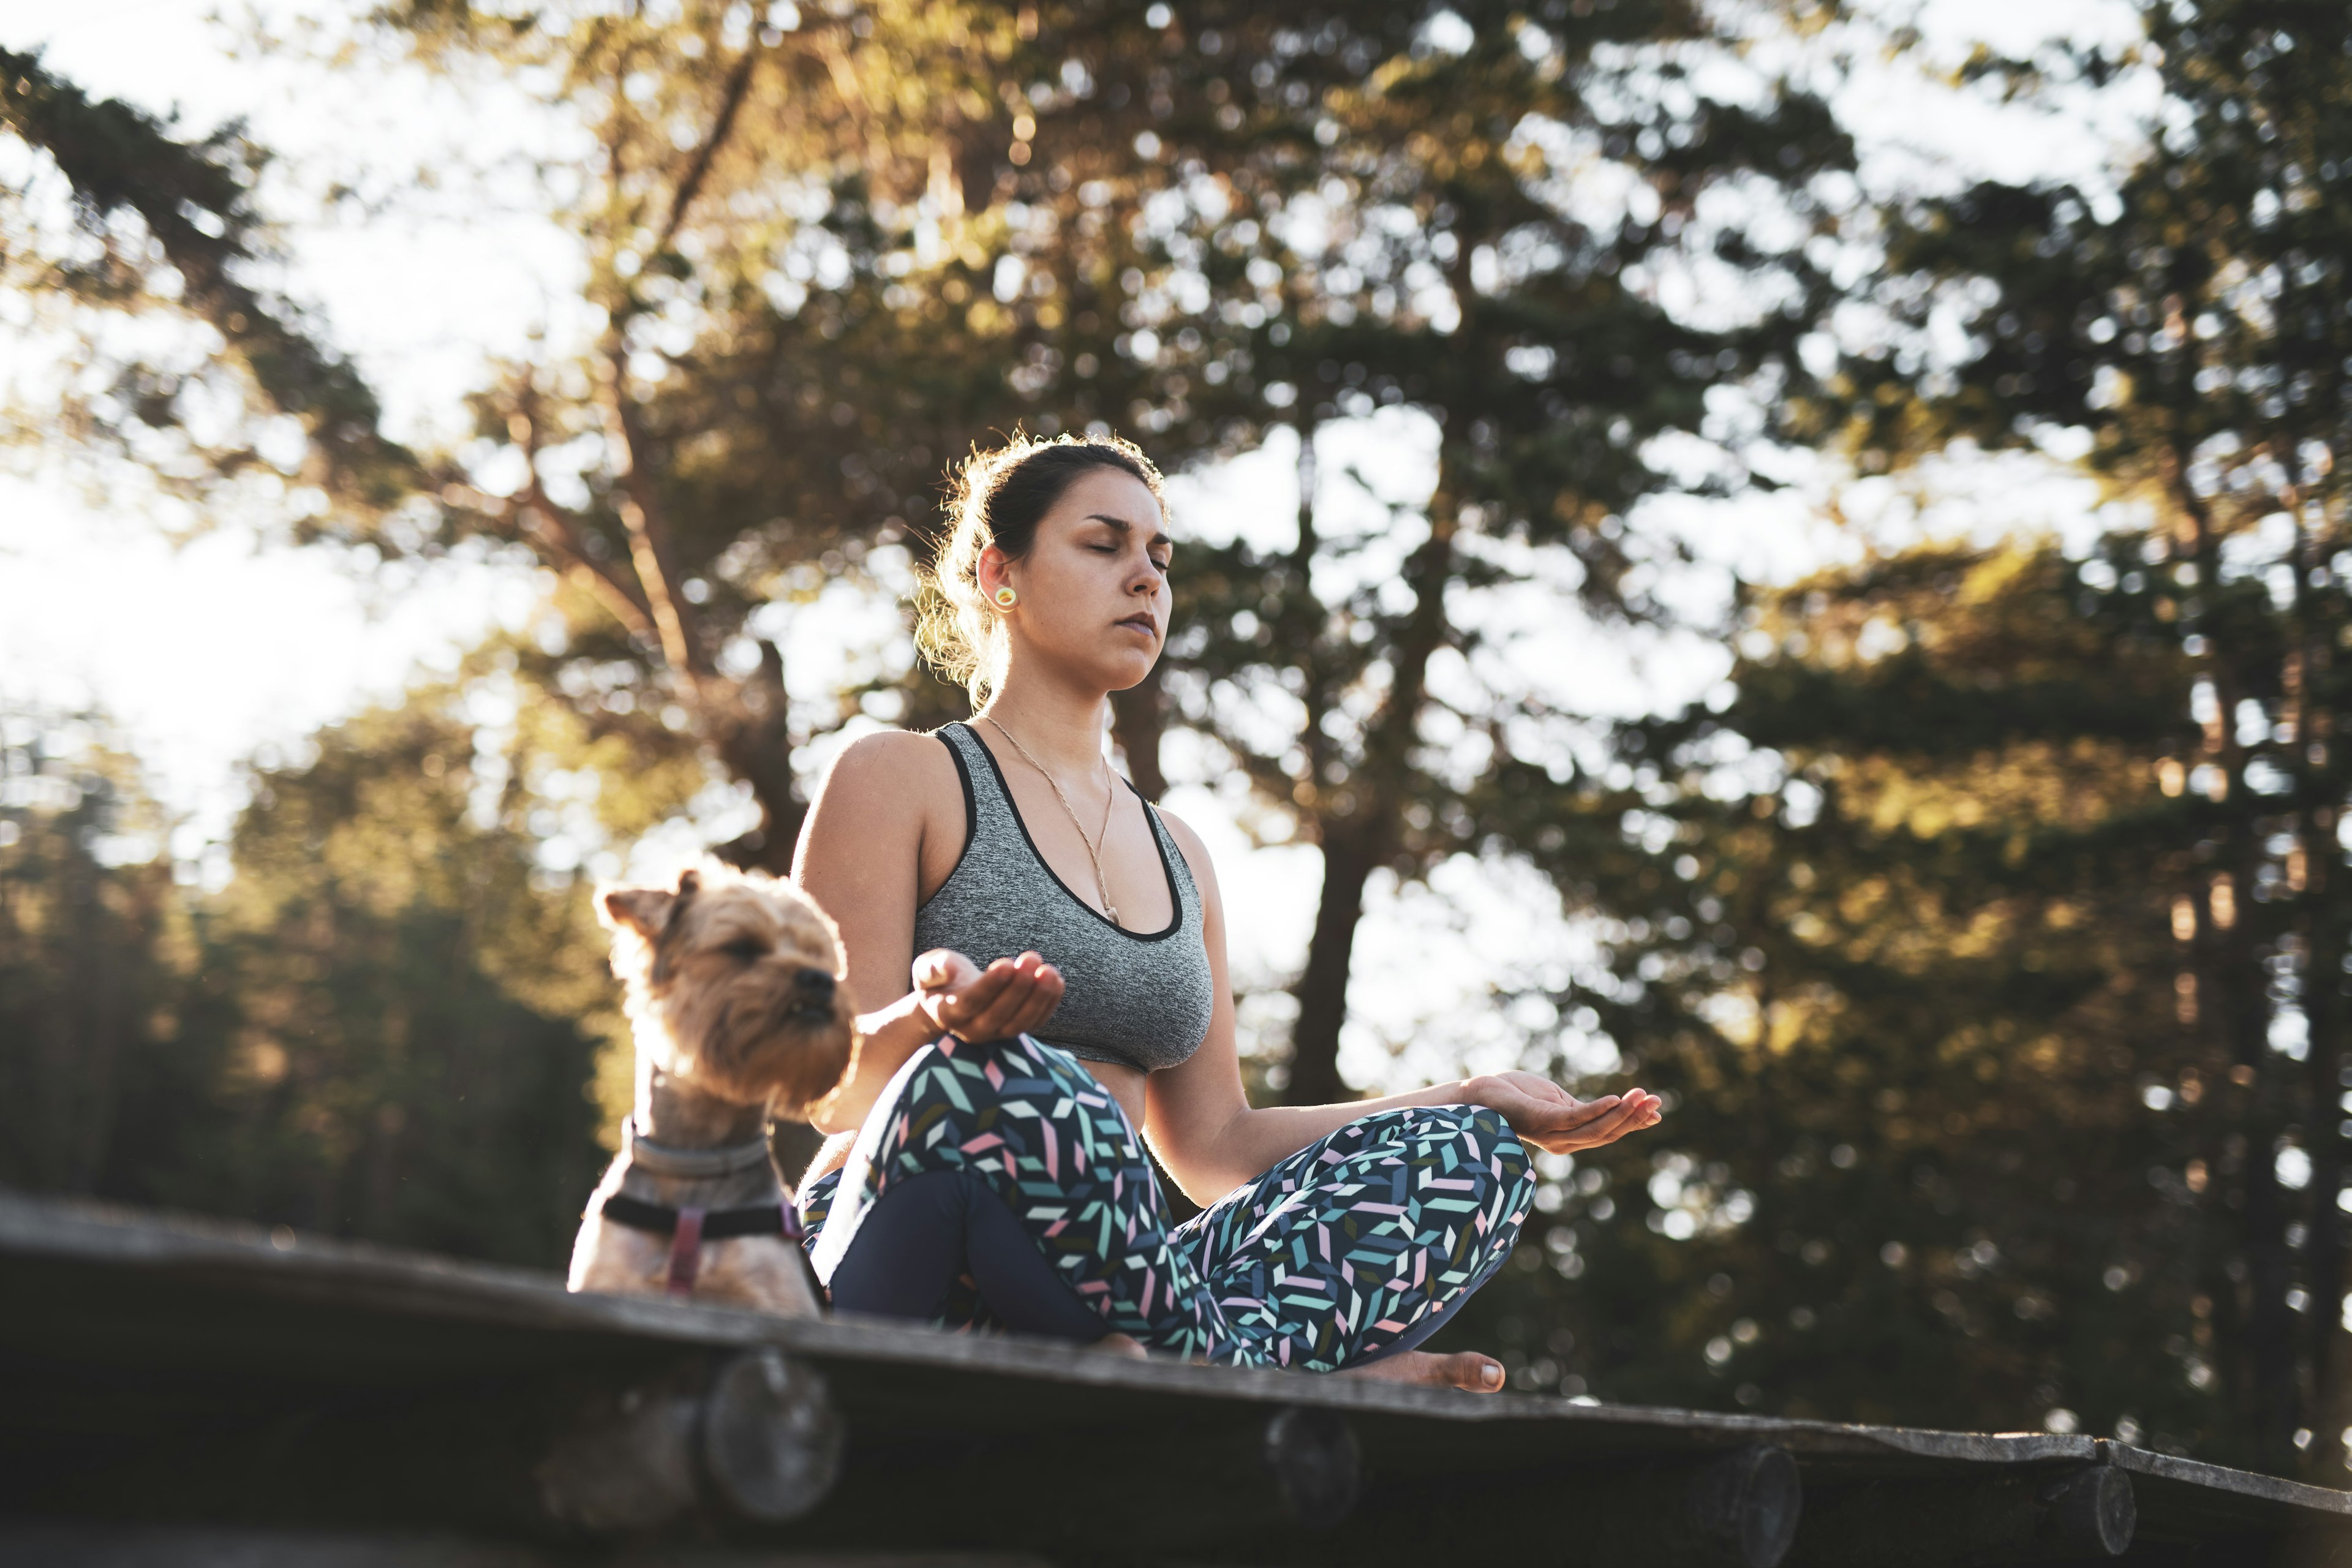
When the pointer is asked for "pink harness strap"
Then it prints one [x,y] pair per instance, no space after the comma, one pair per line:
[686,1252]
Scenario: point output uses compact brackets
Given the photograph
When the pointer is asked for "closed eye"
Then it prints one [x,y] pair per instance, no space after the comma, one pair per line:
[747,949]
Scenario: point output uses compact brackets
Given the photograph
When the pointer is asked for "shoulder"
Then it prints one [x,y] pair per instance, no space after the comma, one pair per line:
[1196,854]
[894,765]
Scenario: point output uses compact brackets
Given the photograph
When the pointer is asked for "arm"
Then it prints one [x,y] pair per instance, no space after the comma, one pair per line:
[860,858]
[883,833]
[1204,1130]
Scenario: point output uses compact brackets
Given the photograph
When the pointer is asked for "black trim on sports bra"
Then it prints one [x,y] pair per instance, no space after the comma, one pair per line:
[971,818]
[1151,820]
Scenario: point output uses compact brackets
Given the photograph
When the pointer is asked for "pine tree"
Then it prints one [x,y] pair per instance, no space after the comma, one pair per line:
[388,1024]
[1896,928]
[2194,324]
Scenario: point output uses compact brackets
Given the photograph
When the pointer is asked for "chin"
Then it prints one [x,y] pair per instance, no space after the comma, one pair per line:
[1122,675]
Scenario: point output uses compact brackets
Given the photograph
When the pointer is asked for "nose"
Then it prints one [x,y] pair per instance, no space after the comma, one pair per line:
[815,985]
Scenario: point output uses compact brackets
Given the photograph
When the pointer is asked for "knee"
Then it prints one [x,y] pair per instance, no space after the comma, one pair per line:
[1496,1146]
[1482,1126]
[994,1069]
[973,1097]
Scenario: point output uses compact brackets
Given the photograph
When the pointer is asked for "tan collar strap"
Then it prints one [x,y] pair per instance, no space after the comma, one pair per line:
[668,1160]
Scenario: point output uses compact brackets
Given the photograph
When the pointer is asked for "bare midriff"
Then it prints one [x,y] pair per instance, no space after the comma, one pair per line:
[1126,1086]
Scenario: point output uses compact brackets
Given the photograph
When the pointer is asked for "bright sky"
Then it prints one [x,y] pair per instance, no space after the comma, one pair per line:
[206,652]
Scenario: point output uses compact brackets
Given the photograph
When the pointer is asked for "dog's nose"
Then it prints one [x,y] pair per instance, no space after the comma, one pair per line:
[816,984]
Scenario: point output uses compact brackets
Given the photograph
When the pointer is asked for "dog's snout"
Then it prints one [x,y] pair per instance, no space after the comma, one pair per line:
[816,984]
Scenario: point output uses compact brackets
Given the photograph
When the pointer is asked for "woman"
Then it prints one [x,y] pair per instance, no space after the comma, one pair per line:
[988,1140]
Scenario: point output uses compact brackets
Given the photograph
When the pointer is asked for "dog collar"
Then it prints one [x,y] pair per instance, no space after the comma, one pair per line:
[668,1160]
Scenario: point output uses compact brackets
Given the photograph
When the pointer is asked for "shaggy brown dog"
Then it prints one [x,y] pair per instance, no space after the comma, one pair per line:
[735,992]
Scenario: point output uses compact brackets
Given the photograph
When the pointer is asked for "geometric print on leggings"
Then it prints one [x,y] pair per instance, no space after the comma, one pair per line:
[1320,1263]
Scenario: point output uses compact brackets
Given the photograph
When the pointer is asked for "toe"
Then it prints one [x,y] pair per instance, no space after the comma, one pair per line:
[1480,1373]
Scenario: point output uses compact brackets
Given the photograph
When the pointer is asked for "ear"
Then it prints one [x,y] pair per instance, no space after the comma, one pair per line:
[689,882]
[644,911]
[990,571]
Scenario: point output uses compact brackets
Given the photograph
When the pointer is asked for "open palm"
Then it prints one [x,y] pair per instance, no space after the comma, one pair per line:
[1550,1118]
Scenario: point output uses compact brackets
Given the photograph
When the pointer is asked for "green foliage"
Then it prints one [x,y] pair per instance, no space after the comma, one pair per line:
[1989,939]
[386,1025]
[1894,941]
[2185,333]
[95,957]
[1935,943]
[157,226]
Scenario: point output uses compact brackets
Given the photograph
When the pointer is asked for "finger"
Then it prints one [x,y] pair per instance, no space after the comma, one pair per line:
[941,968]
[1603,1116]
[1003,978]
[1577,1115]
[963,1010]
[1044,997]
[1637,1124]
[979,988]
[1609,1130]
[1016,1007]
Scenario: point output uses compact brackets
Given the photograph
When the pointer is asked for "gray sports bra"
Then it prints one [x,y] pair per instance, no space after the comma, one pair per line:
[1140,999]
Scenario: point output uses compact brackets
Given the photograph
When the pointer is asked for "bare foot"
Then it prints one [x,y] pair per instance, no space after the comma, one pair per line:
[1121,1344]
[1464,1369]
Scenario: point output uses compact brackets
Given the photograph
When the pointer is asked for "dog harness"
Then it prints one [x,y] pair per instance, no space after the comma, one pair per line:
[1141,999]
[689,1228]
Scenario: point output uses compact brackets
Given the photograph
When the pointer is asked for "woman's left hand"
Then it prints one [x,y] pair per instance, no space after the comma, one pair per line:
[1549,1118]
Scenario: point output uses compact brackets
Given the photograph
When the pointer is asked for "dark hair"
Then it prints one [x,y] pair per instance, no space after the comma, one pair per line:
[999,498]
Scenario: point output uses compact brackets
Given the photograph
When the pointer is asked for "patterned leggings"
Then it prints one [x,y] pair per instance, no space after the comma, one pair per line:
[1348,1250]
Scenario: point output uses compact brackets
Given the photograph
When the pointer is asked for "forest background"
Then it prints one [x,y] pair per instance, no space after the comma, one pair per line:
[1793,551]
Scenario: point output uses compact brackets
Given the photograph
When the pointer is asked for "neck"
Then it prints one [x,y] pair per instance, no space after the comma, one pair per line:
[1062,727]
[669,1111]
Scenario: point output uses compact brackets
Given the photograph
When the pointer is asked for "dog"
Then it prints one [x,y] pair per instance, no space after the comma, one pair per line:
[735,992]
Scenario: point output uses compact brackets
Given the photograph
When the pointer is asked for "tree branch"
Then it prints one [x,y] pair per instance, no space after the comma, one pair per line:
[652,551]
[557,535]
[697,169]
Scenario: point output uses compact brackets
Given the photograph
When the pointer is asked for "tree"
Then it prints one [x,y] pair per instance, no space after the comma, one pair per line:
[2189,327]
[831,257]
[155,226]
[808,277]
[388,1024]
[1952,1141]
[1435,256]
[96,946]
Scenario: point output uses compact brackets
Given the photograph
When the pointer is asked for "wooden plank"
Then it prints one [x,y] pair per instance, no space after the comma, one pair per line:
[223,1260]
[70,1543]
[116,1324]
[2170,1468]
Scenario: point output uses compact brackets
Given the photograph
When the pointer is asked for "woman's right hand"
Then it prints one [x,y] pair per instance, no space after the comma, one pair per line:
[1010,996]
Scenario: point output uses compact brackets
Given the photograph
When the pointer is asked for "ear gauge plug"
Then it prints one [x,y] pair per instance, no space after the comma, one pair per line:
[1006,598]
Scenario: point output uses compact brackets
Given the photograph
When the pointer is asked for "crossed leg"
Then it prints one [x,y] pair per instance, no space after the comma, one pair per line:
[1346,1254]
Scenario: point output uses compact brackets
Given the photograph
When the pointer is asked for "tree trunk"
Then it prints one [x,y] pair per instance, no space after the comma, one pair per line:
[2323,1258]
[1322,988]
[1353,845]
[755,742]
[2252,1311]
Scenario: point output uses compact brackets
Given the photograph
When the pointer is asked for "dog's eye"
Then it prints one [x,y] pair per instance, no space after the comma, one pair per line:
[748,949]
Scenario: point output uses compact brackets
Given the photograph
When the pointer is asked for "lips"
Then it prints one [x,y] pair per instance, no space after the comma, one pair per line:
[1144,623]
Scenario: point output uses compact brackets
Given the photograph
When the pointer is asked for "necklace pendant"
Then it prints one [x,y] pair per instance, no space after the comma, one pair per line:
[1112,911]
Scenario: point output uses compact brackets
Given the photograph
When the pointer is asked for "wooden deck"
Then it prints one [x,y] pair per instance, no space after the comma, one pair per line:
[183,1391]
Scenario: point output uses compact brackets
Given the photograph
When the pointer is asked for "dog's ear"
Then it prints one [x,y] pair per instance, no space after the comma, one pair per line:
[645,911]
[689,882]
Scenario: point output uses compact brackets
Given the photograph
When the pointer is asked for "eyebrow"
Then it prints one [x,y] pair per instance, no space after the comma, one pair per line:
[1158,536]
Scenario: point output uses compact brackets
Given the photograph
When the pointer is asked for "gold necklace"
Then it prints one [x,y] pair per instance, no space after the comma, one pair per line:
[1111,794]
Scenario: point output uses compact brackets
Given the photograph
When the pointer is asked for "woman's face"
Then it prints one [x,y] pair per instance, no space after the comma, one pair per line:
[1093,590]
